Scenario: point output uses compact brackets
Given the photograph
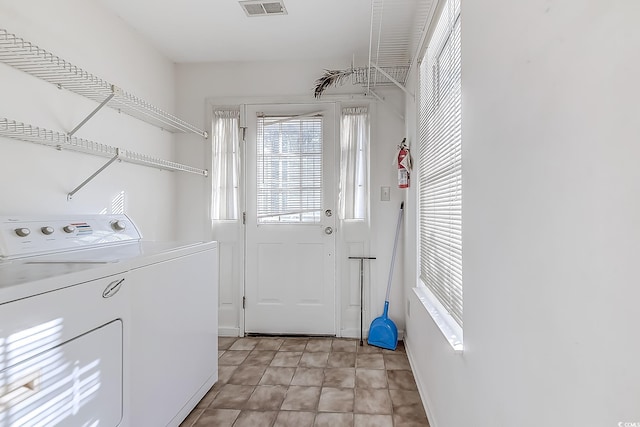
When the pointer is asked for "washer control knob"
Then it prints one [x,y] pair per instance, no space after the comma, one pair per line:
[119,225]
[69,228]
[47,230]
[23,232]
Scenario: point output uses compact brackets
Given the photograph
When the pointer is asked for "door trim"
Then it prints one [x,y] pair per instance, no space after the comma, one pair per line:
[242,101]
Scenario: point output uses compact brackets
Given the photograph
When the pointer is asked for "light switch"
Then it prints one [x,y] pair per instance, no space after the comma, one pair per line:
[385,194]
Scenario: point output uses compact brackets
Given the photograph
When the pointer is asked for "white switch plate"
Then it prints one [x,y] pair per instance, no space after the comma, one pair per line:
[385,194]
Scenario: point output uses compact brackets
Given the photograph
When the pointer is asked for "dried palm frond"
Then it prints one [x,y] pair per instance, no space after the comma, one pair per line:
[330,78]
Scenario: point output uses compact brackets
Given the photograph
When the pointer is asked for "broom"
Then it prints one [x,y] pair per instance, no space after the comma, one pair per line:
[383,332]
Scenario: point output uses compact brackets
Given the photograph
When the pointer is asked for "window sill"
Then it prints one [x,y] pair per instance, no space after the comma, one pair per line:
[447,325]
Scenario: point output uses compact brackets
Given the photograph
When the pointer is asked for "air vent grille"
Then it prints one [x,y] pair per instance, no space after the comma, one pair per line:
[263,7]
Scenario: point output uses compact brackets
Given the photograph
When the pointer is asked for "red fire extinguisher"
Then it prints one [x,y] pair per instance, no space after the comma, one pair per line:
[404,165]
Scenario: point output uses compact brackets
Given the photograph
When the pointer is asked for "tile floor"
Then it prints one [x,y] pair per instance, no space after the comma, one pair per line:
[309,382]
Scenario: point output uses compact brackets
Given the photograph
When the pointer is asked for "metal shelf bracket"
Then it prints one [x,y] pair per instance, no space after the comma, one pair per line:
[86,181]
[394,81]
[93,113]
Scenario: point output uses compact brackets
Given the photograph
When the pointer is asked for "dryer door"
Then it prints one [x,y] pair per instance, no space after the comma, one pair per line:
[75,383]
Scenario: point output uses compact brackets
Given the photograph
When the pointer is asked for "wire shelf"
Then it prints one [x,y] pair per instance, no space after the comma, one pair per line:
[50,138]
[376,78]
[396,30]
[37,135]
[143,159]
[33,60]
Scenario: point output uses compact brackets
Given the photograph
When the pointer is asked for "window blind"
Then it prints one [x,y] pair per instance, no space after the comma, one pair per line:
[440,163]
[289,169]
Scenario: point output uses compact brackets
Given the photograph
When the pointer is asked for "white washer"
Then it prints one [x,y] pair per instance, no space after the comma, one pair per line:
[98,327]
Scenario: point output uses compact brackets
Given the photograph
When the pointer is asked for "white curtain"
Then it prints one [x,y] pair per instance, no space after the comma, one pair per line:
[354,158]
[225,165]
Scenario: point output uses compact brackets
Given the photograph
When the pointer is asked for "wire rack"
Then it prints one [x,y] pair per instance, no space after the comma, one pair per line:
[376,78]
[33,60]
[395,33]
[60,141]
[37,135]
[143,159]
[396,30]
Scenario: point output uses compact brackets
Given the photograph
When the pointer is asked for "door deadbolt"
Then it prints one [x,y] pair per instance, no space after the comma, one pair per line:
[328,212]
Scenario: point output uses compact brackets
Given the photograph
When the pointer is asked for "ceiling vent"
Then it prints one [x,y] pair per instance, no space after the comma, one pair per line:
[263,7]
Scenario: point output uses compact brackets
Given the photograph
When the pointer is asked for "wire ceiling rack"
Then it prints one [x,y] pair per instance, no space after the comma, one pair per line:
[36,61]
[396,28]
[395,34]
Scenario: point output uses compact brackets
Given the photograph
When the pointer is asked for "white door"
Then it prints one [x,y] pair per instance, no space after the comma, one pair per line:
[290,223]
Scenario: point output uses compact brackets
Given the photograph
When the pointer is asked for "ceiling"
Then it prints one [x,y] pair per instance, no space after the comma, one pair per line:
[219,30]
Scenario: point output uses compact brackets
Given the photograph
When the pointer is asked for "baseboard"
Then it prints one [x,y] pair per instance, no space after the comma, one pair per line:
[352,333]
[228,332]
[345,333]
[422,390]
[355,333]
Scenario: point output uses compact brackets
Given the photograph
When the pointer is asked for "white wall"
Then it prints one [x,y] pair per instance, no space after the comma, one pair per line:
[551,222]
[198,82]
[35,179]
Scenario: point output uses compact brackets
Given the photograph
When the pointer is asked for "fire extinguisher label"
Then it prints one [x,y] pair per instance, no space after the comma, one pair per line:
[403,178]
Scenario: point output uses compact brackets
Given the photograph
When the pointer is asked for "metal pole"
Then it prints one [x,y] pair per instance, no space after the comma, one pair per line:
[361,258]
[361,295]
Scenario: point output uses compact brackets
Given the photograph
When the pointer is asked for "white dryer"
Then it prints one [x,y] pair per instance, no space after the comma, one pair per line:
[101,328]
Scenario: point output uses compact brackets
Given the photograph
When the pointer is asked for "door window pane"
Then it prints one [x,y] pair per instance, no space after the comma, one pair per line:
[289,169]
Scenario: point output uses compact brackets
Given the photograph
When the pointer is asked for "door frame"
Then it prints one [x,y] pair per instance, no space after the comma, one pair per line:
[241,102]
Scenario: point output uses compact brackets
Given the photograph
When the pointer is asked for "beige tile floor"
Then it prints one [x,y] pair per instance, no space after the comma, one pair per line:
[309,382]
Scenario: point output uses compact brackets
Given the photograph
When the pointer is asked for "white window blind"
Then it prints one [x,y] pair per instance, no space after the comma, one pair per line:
[225,165]
[440,163]
[289,169]
[354,158]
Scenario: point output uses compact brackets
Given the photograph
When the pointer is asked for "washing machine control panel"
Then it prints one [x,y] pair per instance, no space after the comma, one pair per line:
[27,236]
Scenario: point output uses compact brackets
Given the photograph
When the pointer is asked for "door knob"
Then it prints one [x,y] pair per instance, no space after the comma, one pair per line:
[328,230]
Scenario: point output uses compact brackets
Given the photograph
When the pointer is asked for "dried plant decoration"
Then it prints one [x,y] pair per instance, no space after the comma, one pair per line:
[330,78]
[363,76]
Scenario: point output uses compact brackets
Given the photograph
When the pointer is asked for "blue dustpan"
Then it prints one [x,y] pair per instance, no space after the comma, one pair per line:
[383,332]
